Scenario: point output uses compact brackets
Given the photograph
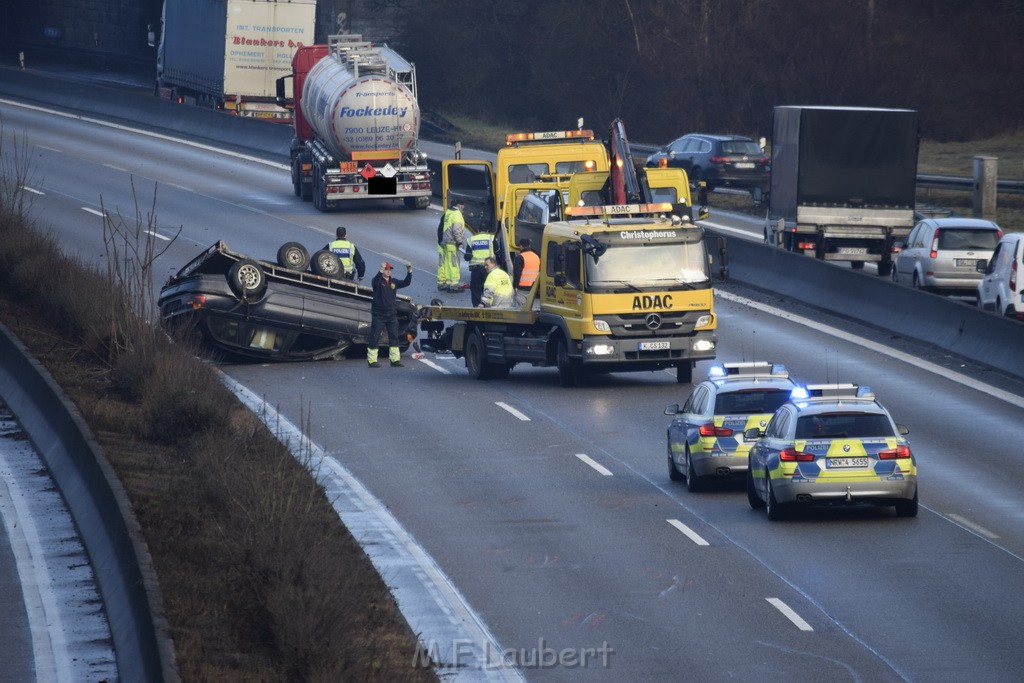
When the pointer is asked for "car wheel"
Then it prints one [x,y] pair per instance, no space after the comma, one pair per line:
[895,274]
[569,371]
[752,498]
[693,484]
[684,372]
[695,176]
[907,508]
[476,360]
[247,279]
[326,264]
[772,507]
[917,282]
[293,255]
[673,471]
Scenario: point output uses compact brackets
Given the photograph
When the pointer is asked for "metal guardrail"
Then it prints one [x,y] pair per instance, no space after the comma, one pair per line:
[943,182]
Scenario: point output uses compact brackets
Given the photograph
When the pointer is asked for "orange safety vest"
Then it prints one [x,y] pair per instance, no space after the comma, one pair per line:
[531,269]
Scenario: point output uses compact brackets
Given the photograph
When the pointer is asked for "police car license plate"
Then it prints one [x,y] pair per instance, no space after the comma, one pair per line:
[966,262]
[655,346]
[744,164]
[833,463]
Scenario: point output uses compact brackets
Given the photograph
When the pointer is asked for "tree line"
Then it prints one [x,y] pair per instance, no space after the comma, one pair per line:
[669,67]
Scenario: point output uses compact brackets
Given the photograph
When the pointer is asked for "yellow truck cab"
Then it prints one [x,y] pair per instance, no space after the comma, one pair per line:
[526,159]
[621,288]
[663,184]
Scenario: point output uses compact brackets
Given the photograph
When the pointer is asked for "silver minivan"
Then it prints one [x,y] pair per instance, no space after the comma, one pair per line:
[1001,288]
[942,254]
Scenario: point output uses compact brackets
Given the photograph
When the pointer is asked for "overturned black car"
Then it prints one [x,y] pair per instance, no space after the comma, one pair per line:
[246,308]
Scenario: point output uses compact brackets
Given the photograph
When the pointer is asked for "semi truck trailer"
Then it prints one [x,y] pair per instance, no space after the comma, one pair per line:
[228,54]
[843,182]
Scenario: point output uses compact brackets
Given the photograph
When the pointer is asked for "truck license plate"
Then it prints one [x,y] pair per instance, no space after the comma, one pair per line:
[833,463]
[744,164]
[655,346]
[853,250]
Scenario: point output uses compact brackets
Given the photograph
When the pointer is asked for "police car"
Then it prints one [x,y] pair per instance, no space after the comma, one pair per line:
[706,438]
[831,444]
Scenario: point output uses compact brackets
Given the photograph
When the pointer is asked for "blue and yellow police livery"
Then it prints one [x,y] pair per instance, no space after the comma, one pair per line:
[831,444]
[706,436]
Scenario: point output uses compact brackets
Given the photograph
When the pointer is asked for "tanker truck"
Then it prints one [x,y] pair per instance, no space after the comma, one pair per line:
[357,124]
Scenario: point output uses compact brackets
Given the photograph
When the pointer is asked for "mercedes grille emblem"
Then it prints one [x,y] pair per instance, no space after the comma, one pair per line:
[653,321]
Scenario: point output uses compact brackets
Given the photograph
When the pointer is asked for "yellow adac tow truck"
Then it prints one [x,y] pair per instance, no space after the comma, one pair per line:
[621,288]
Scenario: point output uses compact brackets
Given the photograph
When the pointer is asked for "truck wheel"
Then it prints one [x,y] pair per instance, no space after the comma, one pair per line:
[569,371]
[417,202]
[476,357]
[884,268]
[857,265]
[246,279]
[293,255]
[326,264]
[684,372]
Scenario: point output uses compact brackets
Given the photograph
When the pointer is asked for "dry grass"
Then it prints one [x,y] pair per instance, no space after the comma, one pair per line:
[260,580]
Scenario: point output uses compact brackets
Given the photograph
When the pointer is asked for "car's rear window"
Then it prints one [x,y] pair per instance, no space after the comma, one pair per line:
[964,238]
[843,425]
[750,402]
[740,147]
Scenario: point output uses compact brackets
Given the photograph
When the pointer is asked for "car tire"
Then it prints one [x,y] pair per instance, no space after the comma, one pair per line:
[907,508]
[325,264]
[693,482]
[894,275]
[247,279]
[752,498]
[673,472]
[293,255]
[569,371]
[916,284]
[775,510]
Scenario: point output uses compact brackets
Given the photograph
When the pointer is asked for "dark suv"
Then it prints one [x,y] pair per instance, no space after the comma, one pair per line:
[718,160]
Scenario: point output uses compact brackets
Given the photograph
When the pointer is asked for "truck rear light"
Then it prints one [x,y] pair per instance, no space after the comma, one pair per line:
[710,429]
[792,454]
[805,245]
[901,451]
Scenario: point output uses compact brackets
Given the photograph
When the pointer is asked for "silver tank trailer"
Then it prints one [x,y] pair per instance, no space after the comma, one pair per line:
[355,113]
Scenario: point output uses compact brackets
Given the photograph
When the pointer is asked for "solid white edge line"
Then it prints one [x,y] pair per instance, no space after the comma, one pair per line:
[957,377]
[601,469]
[690,533]
[157,235]
[49,649]
[788,612]
[92,211]
[138,131]
[505,406]
[32,190]
[977,528]
[463,629]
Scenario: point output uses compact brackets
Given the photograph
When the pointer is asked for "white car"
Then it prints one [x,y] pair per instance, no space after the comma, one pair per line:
[1001,288]
[941,255]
